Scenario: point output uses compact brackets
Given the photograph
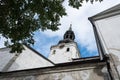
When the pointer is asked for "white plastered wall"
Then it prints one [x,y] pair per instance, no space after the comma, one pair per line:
[109,32]
[5,57]
[28,59]
[61,55]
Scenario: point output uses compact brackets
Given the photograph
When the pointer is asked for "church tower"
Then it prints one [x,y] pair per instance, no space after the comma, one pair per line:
[66,49]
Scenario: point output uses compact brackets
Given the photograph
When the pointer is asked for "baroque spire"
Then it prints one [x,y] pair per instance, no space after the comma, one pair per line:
[69,34]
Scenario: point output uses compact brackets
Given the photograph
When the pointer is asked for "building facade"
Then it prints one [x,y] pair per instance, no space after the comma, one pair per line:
[106,27]
[66,64]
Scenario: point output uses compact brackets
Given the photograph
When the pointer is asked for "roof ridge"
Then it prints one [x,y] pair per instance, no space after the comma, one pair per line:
[38,53]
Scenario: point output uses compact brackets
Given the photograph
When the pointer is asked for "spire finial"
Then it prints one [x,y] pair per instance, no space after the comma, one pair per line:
[70,27]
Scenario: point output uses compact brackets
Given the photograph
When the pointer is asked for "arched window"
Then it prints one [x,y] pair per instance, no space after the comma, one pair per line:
[71,37]
[66,36]
[68,49]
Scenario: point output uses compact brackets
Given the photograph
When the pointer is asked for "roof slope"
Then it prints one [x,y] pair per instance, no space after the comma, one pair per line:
[28,59]
[115,10]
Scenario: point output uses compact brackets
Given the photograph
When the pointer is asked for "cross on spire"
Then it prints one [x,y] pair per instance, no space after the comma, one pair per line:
[70,28]
[69,34]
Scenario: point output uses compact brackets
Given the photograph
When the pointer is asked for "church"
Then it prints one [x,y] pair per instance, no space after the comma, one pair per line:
[64,61]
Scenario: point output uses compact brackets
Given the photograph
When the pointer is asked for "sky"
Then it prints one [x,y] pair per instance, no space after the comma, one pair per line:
[80,25]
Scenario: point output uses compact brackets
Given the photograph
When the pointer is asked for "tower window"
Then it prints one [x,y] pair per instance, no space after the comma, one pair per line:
[66,36]
[68,49]
[54,51]
[71,37]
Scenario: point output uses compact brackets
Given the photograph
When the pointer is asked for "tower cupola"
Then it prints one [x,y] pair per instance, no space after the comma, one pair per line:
[69,34]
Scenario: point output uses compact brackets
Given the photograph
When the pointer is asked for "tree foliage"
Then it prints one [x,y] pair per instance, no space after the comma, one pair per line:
[20,18]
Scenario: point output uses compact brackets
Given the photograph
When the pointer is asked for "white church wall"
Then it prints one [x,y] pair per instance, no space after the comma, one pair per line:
[29,59]
[109,32]
[5,57]
[72,75]
[86,71]
[61,55]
